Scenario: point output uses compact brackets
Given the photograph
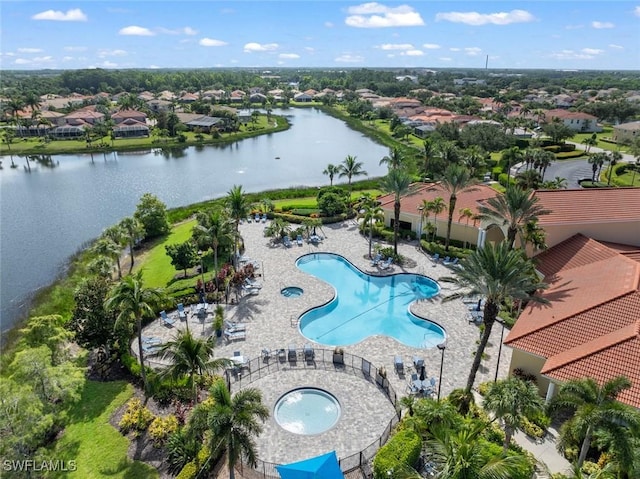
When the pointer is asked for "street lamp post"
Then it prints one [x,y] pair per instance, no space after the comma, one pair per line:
[420,210]
[499,351]
[441,347]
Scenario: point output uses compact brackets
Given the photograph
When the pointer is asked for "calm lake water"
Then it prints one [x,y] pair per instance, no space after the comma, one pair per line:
[49,214]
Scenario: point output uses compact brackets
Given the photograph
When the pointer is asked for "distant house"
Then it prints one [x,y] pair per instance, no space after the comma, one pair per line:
[134,115]
[67,132]
[468,81]
[204,123]
[575,120]
[626,132]
[188,98]
[237,96]
[408,78]
[83,117]
[257,98]
[130,128]
[159,106]
[303,97]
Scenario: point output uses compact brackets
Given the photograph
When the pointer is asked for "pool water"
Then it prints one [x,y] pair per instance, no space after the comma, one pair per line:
[292,292]
[366,305]
[307,411]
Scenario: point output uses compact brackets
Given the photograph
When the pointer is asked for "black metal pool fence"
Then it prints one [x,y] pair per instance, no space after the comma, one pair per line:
[323,359]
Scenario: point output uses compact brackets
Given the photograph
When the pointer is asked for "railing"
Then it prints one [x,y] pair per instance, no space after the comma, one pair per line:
[324,359]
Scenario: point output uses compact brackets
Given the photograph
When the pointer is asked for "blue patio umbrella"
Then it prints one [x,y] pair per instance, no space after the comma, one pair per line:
[325,466]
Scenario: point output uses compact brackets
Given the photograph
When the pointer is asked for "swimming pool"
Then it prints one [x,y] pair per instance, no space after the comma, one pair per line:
[307,411]
[366,305]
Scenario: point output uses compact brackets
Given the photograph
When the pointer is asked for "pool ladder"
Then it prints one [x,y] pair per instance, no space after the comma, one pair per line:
[295,320]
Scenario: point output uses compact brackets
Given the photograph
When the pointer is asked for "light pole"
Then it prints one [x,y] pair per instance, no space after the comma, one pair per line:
[499,351]
[441,347]
[420,210]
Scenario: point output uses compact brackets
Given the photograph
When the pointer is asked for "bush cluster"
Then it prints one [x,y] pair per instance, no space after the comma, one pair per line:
[161,428]
[531,429]
[569,154]
[136,418]
[454,251]
[402,450]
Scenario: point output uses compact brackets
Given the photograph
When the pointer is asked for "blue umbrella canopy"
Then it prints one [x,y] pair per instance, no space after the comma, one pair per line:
[325,466]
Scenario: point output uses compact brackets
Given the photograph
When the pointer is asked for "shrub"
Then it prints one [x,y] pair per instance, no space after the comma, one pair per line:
[552,148]
[590,468]
[483,388]
[505,179]
[305,211]
[531,429]
[569,154]
[402,450]
[131,363]
[136,418]
[161,428]
[189,471]
[331,204]
[524,375]
[454,251]
[388,253]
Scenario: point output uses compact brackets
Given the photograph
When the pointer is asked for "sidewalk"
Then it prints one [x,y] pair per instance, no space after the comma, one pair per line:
[545,451]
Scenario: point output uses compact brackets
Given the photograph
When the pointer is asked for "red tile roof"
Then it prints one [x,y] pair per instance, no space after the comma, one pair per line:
[593,205]
[591,328]
[568,115]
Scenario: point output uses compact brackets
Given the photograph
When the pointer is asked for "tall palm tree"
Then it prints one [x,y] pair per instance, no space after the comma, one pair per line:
[394,159]
[511,401]
[589,142]
[448,152]
[133,302]
[614,157]
[350,168]
[213,229]
[456,180]
[117,235]
[461,454]
[107,248]
[542,159]
[511,157]
[595,408]
[190,356]
[331,170]
[133,230]
[528,180]
[370,213]
[437,206]
[474,159]
[398,183]
[235,421]
[596,161]
[238,207]
[514,209]
[467,214]
[497,273]
[429,149]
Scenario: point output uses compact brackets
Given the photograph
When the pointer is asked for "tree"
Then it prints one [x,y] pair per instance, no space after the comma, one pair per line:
[133,231]
[514,208]
[107,248]
[398,183]
[614,157]
[528,180]
[238,208]
[511,157]
[594,408]
[332,204]
[541,160]
[190,356]
[92,323]
[183,255]
[394,160]
[331,170]
[350,168]
[429,149]
[133,302]
[456,180]
[487,136]
[589,142]
[436,207]
[212,231]
[596,161]
[558,131]
[49,331]
[235,421]
[474,159]
[117,236]
[511,401]
[467,214]
[152,214]
[370,213]
[497,273]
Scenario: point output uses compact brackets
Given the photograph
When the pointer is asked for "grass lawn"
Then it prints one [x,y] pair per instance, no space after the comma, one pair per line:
[311,202]
[97,447]
[157,270]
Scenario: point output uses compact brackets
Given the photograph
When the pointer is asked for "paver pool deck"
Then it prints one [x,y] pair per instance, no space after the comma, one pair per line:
[271,322]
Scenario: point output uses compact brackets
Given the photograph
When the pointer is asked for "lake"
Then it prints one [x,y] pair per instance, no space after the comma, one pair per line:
[49,214]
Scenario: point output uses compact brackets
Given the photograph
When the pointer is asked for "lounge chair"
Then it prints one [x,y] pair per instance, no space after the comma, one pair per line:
[376,259]
[250,290]
[234,327]
[299,240]
[182,314]
[166,320]
[151,340]
[413,384]
[286,241]
[252,283]
[436,257]
[446,260]
[309,354]
[398,364]
[257,218]
[150,347]
[249,219]
[292,354]
[453,262]
[418,362]
[266,354]
[264,218]
[387,264]
[233,335]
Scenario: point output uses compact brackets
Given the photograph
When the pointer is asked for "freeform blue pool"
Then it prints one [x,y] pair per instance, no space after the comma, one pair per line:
[366,305]
[307,411]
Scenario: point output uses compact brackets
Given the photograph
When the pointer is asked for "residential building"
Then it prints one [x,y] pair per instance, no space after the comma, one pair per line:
[575,120]
[134,115]
[626,132]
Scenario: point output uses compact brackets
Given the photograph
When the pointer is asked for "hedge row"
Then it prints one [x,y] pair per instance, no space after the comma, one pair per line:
[569,154]
[297,219]
[402,450]
[454,251]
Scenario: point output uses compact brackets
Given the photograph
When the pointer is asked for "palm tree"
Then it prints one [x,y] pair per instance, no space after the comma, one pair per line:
[511,157]
[529,180]
[350,168]
[117,235]
[461,454]
[429,149]
[474,157]
[514,208]
[235,421]
[436,206]
[467,214]
[397,182]
[133,231]
[541,160]
[133,302]
[589,142]
[394,160]
[190,356]
[614,157]
[511,401]
[107,248]
[214,230]
[370,213]
[331,170]
[497,273]
[456,180]
[596,161]
[595,408]
[448,152]
[238,207]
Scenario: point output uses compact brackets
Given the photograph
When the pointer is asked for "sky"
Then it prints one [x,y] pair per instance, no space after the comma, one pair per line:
[572,34]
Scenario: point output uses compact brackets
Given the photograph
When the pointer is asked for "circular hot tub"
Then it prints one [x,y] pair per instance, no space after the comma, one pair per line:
[291,291]
[307,411]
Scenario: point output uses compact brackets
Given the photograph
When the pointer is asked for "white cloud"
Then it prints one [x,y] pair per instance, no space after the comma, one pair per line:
[135,30]
[348,58]
[111,53]
[431,46]
[30,50]
[289,56]
[376,15]
[446,59]
[412,53]
[108,64]
[636,11]
[573,27]
[44,59]
[189,31]
[178,31]
[472,51]
[475,18]
[572,55]
[67,59]
[592,51]
[21,61]
[153,67]
[210,42]
[454,49]
[601,25]
[260,47]
[617,47]
[75,49]
[310,49]
[396,46]
[74,15]
[328,24]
